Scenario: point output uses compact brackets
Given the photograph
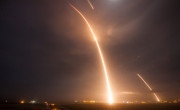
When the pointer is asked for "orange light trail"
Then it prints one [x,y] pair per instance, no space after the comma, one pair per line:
[110,98]
[90,4]
[157,98]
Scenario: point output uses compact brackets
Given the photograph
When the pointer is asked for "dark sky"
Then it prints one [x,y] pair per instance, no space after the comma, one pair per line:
[48,53]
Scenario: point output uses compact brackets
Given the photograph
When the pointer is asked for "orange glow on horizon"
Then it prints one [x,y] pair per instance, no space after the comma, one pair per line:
[110,98]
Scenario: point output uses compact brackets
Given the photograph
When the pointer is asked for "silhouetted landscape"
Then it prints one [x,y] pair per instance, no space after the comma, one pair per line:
[123,107]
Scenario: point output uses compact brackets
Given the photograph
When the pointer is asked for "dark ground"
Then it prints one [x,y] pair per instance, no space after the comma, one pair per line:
[26,106]
[122,107]
[92,107]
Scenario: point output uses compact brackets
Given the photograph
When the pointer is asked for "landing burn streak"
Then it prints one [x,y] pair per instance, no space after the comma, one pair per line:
[157,98]
[90,4]
[110,98]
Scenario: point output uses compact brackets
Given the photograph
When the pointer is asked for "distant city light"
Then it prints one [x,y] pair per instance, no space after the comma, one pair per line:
[91,101]
[52,104]
[33,101]
[143,102]
[22,101]
[6,101]
[75,101]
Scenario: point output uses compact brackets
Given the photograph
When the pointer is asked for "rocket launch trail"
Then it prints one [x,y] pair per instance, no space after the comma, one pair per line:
[157,98]
[90,4]
[110,98]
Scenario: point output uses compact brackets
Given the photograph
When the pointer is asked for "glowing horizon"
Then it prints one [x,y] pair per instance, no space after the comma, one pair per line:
[157,98]
[110,98]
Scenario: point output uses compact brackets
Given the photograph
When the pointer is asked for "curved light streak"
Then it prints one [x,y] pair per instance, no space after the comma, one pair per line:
[110,98]
[157,98]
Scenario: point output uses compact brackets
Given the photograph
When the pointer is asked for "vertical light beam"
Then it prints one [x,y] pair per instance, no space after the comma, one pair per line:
[157,98]
[90,4]
[110,98]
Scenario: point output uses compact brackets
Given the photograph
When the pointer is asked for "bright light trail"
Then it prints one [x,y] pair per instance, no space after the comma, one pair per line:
[157,98]
[90,4]
[110,98]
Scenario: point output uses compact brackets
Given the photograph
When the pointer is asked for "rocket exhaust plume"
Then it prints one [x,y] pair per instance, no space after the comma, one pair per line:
[110,98]
[90,4]
[157,98]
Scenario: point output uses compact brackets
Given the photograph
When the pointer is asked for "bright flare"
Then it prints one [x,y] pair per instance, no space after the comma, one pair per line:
[157,98]
[110,99]
[90,4]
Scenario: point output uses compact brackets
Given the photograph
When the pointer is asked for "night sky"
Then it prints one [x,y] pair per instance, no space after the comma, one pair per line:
[47,51]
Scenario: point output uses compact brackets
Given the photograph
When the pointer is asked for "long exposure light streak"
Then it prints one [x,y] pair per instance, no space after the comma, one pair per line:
[90,4]
[110,98]
[157,98]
